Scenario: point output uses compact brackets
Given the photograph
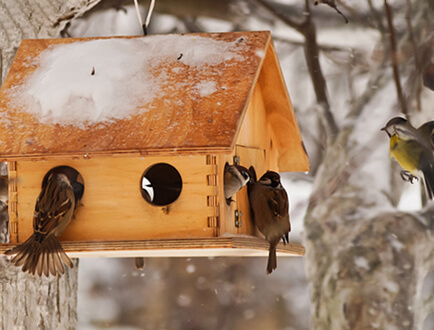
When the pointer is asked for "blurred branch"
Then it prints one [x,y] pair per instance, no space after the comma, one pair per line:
[394,54]
[417,81]
[191,25]
[374,85]
[332,4]
[377,16]
[295,25]
[322,47]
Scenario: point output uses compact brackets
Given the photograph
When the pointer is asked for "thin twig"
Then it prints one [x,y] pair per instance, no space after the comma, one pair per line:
[416,56]
[394,54]
[377,17]
[376,83]
[332,4]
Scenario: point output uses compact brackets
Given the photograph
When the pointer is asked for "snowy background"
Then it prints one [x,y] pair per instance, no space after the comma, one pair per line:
[196,293]
[235,293]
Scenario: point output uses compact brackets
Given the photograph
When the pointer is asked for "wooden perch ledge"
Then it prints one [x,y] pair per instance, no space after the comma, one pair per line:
[181,247]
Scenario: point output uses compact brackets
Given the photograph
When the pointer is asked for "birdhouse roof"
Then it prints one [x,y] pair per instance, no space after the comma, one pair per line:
[162,94]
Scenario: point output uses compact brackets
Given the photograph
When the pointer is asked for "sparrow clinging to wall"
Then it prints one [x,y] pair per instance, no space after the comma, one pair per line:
[269,205]
[42,252]
[235,178]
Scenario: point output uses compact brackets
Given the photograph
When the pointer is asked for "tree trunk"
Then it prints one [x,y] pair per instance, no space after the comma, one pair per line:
[30,302]
[366,262]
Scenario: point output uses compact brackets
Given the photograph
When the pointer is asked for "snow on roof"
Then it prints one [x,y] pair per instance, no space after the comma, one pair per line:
[96,81]
[124,94]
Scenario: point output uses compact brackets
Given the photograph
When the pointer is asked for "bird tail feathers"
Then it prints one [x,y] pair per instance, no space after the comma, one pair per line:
[428,176]
[272,259]
[40,256]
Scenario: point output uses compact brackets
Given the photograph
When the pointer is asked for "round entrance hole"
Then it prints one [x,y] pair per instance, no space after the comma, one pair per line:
[161,184]
[74,177]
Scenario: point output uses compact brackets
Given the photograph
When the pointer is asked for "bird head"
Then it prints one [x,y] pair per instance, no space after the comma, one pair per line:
[272,179]
[401,127]
[244,174]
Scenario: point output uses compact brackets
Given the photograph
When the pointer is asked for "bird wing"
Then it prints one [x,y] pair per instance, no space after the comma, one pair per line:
[427,168]
[52,204]
[279,203]
[427,158]
[253,177]
[427,131]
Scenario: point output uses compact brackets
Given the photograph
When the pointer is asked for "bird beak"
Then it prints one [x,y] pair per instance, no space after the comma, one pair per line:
[387,132]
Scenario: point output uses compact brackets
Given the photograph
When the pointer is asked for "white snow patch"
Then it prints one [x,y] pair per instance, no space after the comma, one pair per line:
[104,80]
[361,262]
[260,53]
[206,88]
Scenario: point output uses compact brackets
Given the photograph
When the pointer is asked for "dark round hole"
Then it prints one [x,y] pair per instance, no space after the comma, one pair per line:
[161,184]
[74,177]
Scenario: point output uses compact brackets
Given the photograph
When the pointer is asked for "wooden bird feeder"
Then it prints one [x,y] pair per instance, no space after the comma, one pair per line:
[154,178]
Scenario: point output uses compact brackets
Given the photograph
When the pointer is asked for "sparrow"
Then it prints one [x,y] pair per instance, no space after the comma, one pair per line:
[269,206]
[42,253]
[235,178]
[413,149]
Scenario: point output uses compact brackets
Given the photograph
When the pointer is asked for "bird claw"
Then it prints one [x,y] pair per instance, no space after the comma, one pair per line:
[407,176]
[229,201]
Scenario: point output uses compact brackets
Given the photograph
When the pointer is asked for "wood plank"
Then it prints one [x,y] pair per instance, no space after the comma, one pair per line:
[193,247]
[286,137]
[117,153]
[113,207]
[13,202]
[256,158]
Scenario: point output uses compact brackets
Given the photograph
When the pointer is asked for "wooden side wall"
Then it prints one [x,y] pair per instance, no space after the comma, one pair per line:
[113,207]
[254,147]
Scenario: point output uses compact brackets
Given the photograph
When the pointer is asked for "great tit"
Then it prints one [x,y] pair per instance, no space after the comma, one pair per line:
[413,149]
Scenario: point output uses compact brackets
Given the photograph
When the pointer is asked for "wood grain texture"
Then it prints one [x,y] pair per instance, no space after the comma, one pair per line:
[113,207]
[187,247]
[292,156]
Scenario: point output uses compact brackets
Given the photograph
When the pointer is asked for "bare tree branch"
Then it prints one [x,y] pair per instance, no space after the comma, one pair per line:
[377,16]
[394,54]
[416,56]
[332,4]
